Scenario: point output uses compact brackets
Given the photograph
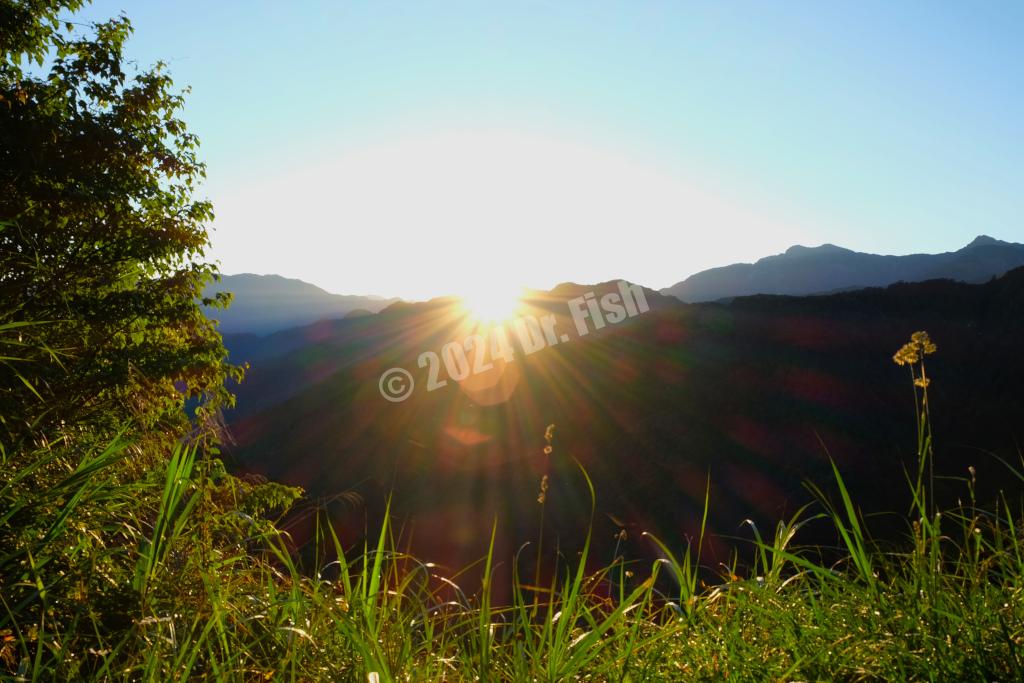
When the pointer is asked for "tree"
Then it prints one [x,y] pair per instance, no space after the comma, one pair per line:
[101,240]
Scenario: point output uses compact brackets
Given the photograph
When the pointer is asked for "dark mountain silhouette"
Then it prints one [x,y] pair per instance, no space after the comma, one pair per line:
[828,268]
[267,303]
[757,394]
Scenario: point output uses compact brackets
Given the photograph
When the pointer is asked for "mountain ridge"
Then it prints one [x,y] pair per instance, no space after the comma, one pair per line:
[751,392]
[803,270]
[265,304]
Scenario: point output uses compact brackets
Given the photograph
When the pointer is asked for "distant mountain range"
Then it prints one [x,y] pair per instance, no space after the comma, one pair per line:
[828,268]
[267,303]
[758,393]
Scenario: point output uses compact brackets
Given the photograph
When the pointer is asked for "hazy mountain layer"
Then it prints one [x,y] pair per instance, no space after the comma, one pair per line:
[267,303]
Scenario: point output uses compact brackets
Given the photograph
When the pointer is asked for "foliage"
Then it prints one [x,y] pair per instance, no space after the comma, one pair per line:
[101,239]
[28,27]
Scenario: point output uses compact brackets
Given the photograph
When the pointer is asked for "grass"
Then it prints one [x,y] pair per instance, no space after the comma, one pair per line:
[177,571]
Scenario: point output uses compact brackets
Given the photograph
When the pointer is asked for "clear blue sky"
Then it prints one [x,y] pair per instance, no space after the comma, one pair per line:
[415,149]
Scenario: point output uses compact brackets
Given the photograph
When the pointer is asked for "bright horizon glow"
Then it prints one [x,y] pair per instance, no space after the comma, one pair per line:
[494,303]
[429,149]
[463,211]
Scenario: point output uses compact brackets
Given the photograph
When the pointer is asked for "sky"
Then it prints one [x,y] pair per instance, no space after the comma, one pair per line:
[420,149]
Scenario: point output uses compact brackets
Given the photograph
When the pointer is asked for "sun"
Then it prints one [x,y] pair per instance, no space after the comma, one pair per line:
[492,303]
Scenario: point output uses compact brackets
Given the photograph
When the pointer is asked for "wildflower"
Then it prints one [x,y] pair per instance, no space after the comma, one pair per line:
[543,490]
[925,343]
[919,346]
